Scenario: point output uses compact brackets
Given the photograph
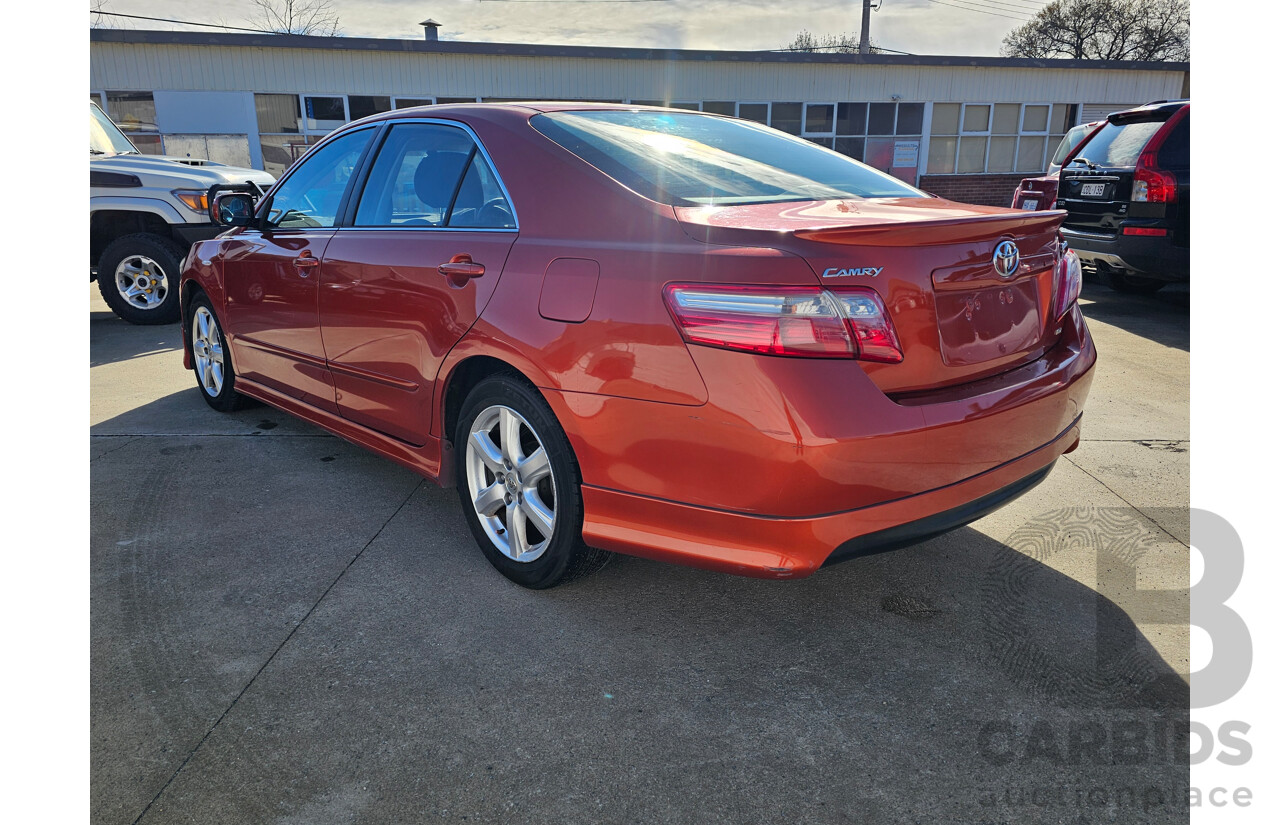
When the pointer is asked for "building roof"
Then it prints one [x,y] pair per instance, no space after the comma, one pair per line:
[291,41]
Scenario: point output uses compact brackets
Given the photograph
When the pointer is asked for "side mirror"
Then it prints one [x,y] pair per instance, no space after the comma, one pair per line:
[232,209]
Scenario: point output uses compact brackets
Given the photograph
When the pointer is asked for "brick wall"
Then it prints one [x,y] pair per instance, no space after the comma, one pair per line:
[988,190]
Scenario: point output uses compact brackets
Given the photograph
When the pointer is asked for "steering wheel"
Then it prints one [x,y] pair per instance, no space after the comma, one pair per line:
[495,214]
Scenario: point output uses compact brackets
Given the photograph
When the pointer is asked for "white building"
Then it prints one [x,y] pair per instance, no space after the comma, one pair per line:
[963,127]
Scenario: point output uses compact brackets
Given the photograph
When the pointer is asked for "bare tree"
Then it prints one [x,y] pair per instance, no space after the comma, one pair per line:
[1105,30]
[315,17]
[98,21]
[807,41]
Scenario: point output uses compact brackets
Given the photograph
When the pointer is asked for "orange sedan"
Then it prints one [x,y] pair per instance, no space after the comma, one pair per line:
[657,332]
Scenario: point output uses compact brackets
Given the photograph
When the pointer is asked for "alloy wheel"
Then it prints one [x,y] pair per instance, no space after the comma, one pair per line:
[141,282]
[510,483]
[206,346]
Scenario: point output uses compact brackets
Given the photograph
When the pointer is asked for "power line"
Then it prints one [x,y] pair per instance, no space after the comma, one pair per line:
[1005,5]
[183,22]
[980,11]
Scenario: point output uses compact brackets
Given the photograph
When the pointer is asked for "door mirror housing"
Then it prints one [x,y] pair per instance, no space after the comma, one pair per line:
[232,209]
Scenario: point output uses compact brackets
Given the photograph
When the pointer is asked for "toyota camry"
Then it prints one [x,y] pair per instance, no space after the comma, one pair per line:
[664,333]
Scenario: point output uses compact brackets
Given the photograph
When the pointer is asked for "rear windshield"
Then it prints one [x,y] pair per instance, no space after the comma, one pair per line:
[1119,144]
[697,160]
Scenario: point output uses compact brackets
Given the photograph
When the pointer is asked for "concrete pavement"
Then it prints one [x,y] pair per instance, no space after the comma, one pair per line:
[288,629]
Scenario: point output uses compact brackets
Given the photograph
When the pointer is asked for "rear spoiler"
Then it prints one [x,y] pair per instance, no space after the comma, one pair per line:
[938,232]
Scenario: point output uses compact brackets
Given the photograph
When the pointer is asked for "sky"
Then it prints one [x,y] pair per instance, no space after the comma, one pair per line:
[952,27]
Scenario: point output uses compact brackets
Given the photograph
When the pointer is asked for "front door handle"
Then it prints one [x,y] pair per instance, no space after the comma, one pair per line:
[305,262]
[460,269]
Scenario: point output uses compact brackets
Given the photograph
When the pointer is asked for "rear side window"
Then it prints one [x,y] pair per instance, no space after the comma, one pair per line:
[432,175]
[1119,144]
[698,160]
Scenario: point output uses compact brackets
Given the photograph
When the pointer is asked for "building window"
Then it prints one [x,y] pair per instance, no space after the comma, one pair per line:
[456,99]
[785,117]
[759,112]
[407,102]
[971,138]
[720,107]
[132,111]
[883,135]
[365,105]
[324,113]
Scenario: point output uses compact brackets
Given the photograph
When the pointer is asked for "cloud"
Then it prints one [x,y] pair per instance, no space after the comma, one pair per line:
[917,26]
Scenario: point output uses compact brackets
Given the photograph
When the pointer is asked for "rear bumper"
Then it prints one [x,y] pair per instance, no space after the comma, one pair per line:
[782,548]
[791,459]
[1153,257]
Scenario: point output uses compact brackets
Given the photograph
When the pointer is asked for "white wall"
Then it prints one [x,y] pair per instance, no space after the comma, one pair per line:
[207,113]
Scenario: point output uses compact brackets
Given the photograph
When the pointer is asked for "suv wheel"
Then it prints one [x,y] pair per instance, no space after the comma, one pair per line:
[138,278]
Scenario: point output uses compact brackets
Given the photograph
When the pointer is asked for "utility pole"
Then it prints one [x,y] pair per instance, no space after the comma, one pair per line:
[864,47]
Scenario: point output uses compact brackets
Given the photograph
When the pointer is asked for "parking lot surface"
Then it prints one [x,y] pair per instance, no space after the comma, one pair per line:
[288,629]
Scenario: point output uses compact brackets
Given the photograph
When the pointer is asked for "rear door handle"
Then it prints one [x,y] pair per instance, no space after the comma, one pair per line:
[460,269]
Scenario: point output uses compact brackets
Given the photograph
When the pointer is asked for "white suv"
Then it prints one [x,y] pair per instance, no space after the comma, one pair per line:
[145,212]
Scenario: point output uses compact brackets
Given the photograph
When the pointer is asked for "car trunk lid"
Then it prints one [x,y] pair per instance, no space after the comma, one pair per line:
[932,264]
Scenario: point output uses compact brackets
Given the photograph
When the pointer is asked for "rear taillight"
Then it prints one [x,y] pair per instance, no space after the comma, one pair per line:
[1067,281]
[1153,185]
[803,322]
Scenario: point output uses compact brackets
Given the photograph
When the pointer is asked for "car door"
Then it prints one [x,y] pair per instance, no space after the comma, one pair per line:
[410,271]
[272,275]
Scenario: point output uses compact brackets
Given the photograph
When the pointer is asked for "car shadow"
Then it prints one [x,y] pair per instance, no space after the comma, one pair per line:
[1164,317]
[112,340]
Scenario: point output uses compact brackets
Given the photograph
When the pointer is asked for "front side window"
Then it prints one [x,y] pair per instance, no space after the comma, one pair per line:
[694,160]
[310,197]
[432,175]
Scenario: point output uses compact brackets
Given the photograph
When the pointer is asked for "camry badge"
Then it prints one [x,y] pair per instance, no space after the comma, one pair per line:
[837,272]
[1005,259]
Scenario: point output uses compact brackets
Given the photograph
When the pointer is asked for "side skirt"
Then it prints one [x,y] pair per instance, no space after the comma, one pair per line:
[428,460]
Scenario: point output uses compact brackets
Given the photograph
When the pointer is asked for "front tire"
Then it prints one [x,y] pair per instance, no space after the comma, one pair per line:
[211,358]
[138,278]
[520,486]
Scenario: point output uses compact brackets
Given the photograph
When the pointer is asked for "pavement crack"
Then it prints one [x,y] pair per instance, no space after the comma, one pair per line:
[276,652]
[1116,493]
[126,443]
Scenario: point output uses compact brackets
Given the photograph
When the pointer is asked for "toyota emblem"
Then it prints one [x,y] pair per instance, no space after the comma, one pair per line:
[1005,259]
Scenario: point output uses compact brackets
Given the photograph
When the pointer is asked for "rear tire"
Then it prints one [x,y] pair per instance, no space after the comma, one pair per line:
[520,486]
[1133,284]
[138,278]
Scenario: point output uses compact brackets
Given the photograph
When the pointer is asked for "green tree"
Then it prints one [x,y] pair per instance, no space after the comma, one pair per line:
[1105,30]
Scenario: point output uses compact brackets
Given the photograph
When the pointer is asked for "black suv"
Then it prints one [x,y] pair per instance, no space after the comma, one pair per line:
[1127,192]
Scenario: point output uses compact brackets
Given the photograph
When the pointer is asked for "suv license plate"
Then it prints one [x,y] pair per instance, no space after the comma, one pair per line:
[1030,205]
[1093,190]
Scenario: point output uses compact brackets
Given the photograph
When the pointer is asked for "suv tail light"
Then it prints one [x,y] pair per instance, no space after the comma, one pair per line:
[803,322]
[1151,184]
[1067,281]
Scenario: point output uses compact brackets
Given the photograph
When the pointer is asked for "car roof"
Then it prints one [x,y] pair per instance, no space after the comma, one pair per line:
[521,107]
[1156,107]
